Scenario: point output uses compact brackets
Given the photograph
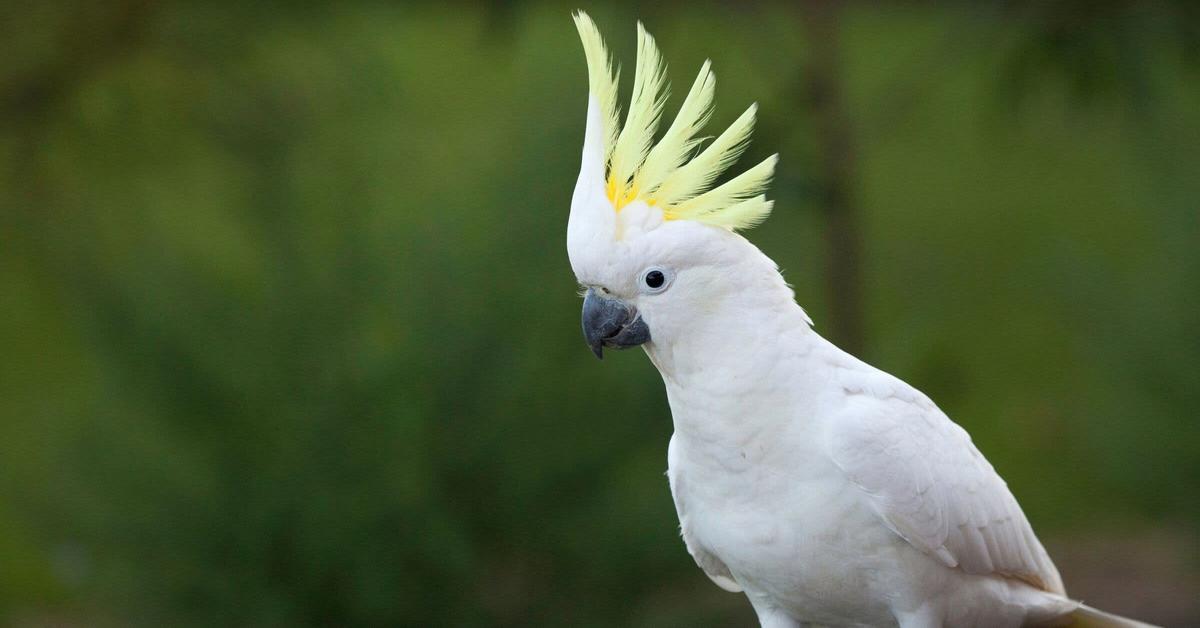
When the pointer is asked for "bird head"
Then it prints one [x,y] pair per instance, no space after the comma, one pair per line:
[651,241]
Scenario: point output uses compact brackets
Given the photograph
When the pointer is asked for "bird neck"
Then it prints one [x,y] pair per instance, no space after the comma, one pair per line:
[733,376]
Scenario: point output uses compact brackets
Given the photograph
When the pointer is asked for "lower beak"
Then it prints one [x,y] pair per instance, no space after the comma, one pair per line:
[611,323]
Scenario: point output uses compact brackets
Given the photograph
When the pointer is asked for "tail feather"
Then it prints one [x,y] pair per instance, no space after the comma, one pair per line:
[1088,617]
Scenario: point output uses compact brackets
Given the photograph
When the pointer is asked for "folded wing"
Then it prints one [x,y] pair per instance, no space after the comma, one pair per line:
[931,486]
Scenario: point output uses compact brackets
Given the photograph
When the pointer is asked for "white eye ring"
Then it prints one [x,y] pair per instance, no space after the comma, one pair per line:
[655,280]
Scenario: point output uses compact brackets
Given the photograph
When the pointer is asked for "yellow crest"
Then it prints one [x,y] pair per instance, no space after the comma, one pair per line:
[670,175]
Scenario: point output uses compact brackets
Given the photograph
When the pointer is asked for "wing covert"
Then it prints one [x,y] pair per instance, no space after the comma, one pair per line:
[931,486]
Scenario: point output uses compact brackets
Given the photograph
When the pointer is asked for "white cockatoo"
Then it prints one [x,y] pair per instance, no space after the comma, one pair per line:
[828,491]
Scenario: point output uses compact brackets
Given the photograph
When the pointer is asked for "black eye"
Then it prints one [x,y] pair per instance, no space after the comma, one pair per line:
[655,279]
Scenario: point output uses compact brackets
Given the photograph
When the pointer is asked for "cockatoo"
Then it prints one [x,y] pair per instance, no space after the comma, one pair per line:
[827,490]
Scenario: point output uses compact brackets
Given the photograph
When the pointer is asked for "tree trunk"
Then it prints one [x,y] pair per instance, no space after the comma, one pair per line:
[835,183]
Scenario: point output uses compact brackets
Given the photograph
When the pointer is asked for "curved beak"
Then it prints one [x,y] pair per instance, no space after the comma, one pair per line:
[611,323]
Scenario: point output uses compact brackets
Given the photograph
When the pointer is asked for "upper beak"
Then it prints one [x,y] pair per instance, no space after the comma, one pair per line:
[612,323]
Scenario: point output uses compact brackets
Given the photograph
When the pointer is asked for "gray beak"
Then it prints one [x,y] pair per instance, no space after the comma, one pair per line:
[611,323]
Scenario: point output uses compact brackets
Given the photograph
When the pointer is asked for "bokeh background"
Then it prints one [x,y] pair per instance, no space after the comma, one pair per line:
[288,335]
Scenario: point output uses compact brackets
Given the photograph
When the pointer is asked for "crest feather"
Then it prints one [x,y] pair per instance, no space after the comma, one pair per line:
[744,215]
[661,174]
[645,109]
[695,176]
[679,141]
[725,196]
[602,79]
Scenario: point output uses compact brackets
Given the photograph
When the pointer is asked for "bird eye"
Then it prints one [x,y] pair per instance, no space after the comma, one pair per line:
[655,280]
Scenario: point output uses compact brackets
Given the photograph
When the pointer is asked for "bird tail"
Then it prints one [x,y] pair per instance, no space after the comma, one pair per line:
[1088,617]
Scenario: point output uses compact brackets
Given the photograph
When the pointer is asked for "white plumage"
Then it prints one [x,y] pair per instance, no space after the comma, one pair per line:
[831,492]
[826,490]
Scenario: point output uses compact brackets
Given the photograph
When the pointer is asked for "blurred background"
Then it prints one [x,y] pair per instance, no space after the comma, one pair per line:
[289,336]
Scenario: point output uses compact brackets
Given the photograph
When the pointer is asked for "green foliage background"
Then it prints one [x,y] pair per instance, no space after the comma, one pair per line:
[290,337]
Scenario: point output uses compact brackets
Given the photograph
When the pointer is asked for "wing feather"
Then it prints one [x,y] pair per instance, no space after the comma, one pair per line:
[929,483]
